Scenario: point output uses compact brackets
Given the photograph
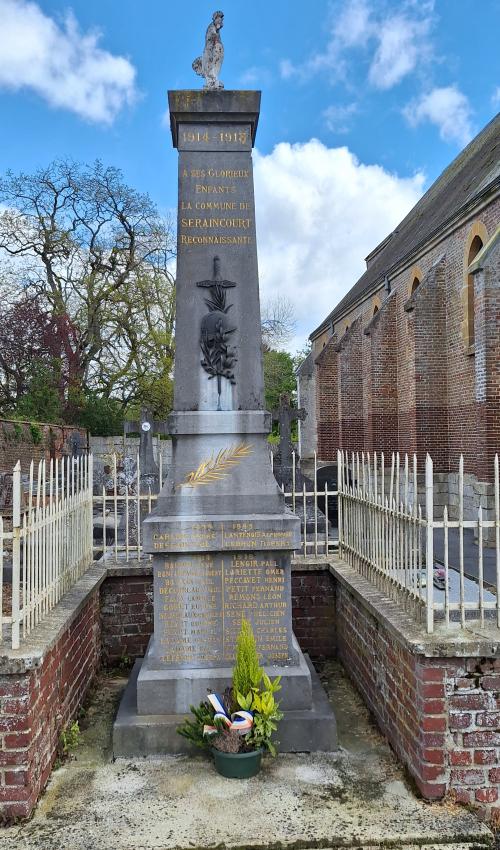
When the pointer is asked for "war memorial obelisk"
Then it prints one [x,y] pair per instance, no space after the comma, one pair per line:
[220,534]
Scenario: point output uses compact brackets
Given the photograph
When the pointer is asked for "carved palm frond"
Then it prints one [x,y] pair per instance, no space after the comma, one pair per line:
[217,467]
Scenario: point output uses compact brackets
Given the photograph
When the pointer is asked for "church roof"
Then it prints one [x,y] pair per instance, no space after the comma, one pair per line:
[474,172]
[307,366]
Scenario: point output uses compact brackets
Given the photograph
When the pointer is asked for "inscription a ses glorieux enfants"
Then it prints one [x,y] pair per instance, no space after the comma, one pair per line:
[214,204]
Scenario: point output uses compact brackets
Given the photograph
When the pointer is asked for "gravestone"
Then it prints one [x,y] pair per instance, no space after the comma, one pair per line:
[77,444]
[284,415]
[149,473]
[220,535]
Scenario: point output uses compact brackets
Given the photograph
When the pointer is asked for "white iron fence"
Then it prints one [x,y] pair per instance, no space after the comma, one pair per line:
[380,515]
[119,503]
[45,542]
[433,567]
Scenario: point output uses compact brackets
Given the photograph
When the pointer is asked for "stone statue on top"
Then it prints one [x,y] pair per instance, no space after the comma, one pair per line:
[209,64]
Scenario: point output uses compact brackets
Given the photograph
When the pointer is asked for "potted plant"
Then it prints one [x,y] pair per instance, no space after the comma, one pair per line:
[238,725]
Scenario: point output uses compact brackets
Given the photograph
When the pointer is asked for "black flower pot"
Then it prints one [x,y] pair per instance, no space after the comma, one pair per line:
[237,765]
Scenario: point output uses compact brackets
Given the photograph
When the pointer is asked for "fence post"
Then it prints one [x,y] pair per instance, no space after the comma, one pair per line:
[16,552]
[429,549]
[340,473]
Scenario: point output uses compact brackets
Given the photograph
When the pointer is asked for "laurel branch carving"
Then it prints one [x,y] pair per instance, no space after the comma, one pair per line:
[217,467]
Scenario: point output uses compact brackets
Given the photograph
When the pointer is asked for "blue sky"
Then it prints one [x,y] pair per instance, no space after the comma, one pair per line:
[391,91]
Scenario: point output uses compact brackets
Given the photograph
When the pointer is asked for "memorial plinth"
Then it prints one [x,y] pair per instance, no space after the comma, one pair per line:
[220,535]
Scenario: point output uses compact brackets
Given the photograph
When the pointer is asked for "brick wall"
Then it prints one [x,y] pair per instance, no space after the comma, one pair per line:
[37,704]
[126,616]
[380,389]
[327,401]
[350,388]
[313,612]
[440,715]
[20,442]
[421,386]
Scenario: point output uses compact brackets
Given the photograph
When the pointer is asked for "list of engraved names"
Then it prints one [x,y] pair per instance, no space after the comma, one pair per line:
[202,599]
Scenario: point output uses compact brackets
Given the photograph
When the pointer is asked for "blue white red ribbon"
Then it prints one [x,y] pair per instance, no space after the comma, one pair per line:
[239,721]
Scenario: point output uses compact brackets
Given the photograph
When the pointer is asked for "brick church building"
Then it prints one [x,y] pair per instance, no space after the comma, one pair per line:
[409,360]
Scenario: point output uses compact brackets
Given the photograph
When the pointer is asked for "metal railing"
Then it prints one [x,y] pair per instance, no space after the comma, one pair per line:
[380,515]
[46,541]
[386,535]
[119,503]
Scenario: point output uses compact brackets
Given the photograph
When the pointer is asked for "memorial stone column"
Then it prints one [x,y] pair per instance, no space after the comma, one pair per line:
[220,535]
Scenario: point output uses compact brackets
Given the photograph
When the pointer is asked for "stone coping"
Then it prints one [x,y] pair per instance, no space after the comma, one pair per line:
[461,643]
[44,636]
[449,643]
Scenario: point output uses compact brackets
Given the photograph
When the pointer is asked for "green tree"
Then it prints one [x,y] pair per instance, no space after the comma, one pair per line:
[102,416]
[41,401]
[279,377]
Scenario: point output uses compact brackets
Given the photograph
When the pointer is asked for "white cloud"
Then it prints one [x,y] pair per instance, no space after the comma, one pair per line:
[394,43]
[337,116]
[64,66]
[402,44]
[495,97]
[319,213]
[353,26]
[448,108]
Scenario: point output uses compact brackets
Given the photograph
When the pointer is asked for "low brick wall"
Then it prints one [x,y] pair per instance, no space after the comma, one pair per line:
[313,612]
[438,703]
[126,614]
[40,696]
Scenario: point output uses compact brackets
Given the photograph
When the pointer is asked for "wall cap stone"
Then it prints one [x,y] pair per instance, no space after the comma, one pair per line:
[464,643]
[473,642]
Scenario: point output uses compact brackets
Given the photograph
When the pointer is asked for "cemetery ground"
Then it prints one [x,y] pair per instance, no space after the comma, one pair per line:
[358,797]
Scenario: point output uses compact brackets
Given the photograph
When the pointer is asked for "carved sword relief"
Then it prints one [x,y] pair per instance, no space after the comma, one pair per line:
[216,328]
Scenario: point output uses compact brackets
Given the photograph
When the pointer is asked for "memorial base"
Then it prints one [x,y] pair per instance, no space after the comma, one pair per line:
[142,735]
[172,691]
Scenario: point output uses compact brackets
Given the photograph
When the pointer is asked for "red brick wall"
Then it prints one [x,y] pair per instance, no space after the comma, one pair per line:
[447,399]
[487,363]
[351,388]
[35,706]
[126,617]
[313,612]
[16,443]
[430,375]
[441,715]
[380,381]
[327,401]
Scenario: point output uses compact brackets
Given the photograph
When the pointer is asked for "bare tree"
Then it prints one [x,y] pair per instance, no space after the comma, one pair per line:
[277,322]
[96,257]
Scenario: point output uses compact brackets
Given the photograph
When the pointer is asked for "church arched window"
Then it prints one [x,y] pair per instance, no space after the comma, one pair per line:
[476,239]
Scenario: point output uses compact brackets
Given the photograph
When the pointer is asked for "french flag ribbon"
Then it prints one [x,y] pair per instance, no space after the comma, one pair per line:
[240,721]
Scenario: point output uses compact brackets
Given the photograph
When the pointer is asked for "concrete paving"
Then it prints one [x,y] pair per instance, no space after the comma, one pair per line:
[358,797]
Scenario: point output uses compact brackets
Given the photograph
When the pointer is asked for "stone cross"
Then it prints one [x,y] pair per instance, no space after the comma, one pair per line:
[147,426]
[285,414]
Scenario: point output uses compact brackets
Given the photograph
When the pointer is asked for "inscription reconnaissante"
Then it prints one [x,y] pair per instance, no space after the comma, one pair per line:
[211,181]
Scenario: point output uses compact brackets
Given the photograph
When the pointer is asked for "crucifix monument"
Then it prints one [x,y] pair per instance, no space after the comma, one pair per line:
[220,535]
[284,415]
